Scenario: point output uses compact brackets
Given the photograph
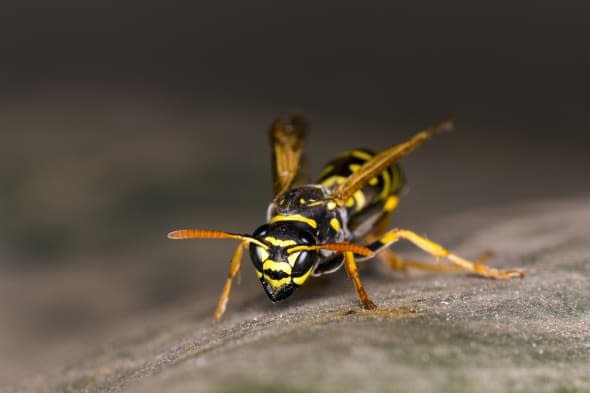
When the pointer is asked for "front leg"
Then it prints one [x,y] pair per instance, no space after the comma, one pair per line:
[353,273]
[234,269]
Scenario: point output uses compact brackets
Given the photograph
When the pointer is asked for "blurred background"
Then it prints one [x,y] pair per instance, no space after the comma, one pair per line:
[122,121]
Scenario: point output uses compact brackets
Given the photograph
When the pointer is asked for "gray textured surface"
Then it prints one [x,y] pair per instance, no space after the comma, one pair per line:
[431,333]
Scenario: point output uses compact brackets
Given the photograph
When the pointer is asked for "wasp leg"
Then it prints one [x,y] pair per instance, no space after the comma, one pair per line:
[234,269]
[439,251]
[392,260]
[353,273]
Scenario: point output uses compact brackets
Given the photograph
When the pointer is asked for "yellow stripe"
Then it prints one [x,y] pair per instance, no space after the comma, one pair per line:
[360,200]
[350,202]
[362,155]
[386,184]
[292,258]
[391,203]
[277,266]
[277,283]
[335,224]
[354,167]
[294,217]
[279,242]
[300,280]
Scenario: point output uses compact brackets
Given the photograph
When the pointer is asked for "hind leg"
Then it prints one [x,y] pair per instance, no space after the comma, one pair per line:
[391,259]
[439,251]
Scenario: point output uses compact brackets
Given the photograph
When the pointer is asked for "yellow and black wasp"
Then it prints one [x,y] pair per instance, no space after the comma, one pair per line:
[314,229]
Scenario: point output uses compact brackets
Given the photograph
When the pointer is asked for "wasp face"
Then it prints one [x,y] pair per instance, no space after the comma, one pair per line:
[282,268]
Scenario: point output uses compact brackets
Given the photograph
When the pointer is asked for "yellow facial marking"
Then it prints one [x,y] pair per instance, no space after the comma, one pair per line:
[277,266]
[278,242]
[262,253]
[277,283]
[300,248]
[335,224]
[292,258]
[300,280]
[294,217]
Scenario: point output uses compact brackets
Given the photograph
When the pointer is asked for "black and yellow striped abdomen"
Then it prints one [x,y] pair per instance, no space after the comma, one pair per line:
[387,183]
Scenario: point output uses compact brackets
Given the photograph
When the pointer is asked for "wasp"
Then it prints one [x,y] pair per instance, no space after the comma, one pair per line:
[341,219]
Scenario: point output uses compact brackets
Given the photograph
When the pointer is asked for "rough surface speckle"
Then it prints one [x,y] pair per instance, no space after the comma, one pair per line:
[431,333]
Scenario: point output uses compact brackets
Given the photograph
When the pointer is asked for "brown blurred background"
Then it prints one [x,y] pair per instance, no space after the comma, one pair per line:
[122,121]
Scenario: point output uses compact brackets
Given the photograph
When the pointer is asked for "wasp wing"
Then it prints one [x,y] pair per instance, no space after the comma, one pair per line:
[386,158]
[287,135]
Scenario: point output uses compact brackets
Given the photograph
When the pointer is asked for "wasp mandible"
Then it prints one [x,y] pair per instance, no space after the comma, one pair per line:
[341,219]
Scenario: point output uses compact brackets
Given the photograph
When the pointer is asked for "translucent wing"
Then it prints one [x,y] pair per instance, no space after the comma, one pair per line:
[381,161]
[287,135]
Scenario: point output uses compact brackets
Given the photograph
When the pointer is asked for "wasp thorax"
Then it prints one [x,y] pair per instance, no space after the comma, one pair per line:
[283,265]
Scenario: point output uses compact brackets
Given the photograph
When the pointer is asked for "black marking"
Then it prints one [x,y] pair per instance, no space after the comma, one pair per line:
[275,274]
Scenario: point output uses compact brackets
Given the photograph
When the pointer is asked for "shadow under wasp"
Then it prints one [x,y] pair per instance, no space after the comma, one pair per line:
[343,218]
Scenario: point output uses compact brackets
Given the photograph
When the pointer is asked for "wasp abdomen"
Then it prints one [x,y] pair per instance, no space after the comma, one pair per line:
[389,182]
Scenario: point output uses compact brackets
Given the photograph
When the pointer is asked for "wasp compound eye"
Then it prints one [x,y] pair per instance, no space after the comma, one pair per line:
[258,256]
[260,232]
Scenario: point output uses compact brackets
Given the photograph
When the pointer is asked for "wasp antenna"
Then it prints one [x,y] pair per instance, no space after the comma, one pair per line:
[201,234]
[212,234]
[342,247]
[347,247]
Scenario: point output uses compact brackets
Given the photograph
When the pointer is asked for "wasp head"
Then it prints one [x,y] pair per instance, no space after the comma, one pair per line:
[284,265]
